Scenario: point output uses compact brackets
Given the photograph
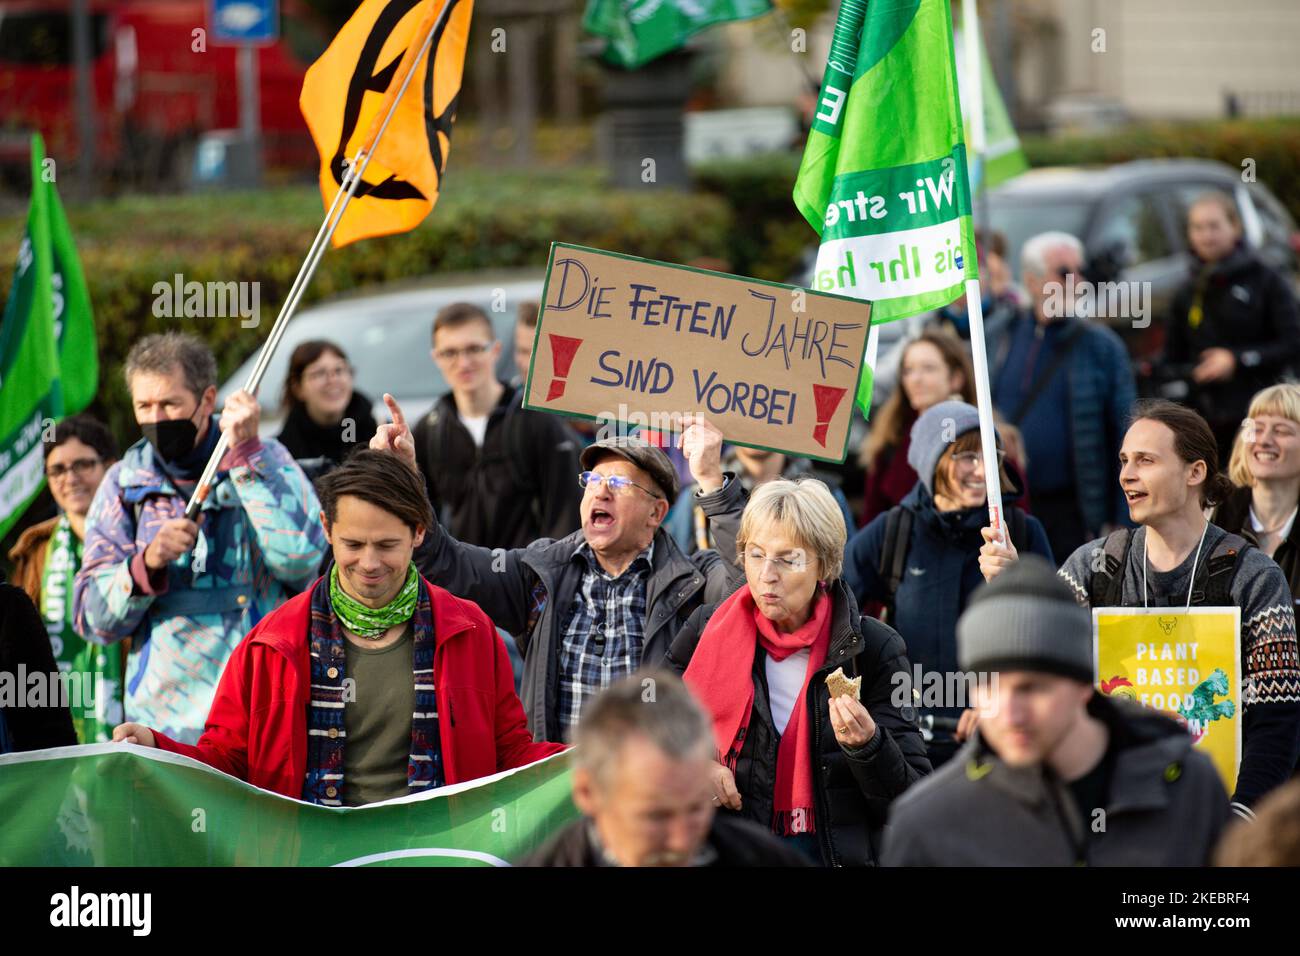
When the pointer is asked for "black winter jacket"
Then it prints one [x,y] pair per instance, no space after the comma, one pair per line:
[852,790]
[1249,309]
[522,483]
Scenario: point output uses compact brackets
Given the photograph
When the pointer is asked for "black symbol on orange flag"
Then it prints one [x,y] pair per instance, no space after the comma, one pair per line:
[366,80]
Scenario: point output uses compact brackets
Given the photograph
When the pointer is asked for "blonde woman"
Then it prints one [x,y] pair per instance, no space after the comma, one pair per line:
[1265,467]
[819,771]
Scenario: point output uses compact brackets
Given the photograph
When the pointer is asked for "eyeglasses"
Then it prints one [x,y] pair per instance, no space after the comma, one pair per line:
[970,459]
[617,483]
[82,467]
[795,562]
[325,374]
[470,352]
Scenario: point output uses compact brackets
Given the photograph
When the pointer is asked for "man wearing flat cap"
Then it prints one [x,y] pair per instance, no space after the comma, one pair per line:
[587,609]
[1055,774]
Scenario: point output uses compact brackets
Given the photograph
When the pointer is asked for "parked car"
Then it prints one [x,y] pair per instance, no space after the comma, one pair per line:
[1132,220]
[387,335]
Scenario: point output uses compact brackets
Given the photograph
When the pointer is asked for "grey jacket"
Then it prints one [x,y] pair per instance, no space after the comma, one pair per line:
[1165,806]
[527,591]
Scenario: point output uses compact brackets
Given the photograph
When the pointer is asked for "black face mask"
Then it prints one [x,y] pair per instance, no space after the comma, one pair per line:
[172,438]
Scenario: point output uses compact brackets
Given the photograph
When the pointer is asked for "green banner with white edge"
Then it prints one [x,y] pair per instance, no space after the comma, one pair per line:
[883,178]
[49,366]
[120,805]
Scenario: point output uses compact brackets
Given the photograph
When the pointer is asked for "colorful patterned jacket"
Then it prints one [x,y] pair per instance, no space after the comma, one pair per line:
[260,540]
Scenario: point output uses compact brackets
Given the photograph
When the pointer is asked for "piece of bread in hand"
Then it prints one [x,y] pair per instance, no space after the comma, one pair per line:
[841,686]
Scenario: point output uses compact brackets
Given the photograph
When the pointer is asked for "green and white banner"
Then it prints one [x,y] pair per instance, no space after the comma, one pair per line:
[120,805]
[1003,157]
[49,366]
[638,31]
[883,177]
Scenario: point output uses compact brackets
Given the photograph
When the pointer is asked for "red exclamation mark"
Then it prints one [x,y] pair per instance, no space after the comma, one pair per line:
[563,349]
[827,400]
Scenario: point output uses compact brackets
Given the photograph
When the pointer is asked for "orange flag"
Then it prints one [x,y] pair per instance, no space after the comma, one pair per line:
[350,89]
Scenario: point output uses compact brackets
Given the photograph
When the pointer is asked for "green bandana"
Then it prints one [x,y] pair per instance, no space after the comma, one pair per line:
[368,621]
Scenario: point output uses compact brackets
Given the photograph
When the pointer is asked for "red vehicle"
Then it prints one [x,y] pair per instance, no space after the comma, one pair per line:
[158,84]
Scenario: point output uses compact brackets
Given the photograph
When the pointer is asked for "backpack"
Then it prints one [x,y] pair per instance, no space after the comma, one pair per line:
[898,539]
[1212,586]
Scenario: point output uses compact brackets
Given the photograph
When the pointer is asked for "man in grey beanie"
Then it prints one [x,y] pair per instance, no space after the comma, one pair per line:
[1055,774]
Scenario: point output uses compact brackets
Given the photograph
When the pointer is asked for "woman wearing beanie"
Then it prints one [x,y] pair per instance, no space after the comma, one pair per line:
[816,760]
[921,558]
[1169,472]
[933,367]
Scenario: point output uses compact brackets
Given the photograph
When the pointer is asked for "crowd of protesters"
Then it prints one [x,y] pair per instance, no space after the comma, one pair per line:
[363,610]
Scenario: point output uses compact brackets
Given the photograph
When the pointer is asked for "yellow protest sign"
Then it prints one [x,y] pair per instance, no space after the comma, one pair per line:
[1184,662]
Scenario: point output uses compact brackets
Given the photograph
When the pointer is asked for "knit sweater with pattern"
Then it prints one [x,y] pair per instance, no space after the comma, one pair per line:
[1270,692]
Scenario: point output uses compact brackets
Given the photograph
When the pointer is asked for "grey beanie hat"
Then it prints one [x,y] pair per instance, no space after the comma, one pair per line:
[937,428]
[1026,619]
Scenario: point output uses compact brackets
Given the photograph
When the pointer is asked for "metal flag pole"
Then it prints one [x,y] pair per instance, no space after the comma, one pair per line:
[333,216]
[974,306]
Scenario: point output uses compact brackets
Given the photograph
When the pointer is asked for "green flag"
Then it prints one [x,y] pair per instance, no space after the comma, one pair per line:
[640,30]
[883,177]
[49,366]
[113,805]
[1003,156]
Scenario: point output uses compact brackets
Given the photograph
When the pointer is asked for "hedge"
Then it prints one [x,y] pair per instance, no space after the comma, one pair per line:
[487,221]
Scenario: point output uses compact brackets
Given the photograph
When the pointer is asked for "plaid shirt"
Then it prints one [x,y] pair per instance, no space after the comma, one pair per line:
[603,636]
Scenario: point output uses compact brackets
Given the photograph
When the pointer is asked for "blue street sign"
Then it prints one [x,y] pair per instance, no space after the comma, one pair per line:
[244,21]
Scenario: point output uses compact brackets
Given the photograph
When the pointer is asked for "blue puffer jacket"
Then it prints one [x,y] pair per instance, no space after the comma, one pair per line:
[1102,392]
[942,571]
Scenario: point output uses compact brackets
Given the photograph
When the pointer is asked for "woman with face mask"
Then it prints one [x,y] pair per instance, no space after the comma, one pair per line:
[921,559]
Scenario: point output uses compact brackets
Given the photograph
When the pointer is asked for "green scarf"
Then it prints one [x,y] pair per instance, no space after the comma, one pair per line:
[94,673]
[369,621]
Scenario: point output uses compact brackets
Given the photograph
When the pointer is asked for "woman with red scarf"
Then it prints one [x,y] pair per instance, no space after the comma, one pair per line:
[817,770]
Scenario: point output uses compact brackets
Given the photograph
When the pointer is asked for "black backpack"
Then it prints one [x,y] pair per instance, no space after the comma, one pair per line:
[1212,586]
[898,539]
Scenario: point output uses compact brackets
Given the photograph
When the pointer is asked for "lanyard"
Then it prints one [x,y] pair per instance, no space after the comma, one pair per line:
[1190,584]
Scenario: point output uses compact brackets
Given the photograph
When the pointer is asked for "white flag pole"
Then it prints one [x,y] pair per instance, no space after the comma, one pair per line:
[974,307]
[347,189]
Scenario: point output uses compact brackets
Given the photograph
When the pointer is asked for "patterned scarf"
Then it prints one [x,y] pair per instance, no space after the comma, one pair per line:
[326,730]
[721,676]
[370,621]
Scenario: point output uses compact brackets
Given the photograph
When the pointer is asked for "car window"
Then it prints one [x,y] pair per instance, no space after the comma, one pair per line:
[1134,226]
[387,343]
[1020,220]
[1273,216]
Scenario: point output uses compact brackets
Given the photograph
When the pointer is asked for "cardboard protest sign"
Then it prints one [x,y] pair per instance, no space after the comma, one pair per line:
[642,343]
[1186,663]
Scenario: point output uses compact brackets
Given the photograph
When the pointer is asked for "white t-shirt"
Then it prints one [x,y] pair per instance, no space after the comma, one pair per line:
[477,428]
[1257,527]
[784,682]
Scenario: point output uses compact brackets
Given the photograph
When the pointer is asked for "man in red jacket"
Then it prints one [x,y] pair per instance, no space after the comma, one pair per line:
[372,684]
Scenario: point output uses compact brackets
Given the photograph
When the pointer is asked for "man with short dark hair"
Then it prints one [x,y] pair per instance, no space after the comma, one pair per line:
[47,557]
[373,683]
[187,591]
[525,334]
[497,473]
[641,773]
[1055,773]
[587,609]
